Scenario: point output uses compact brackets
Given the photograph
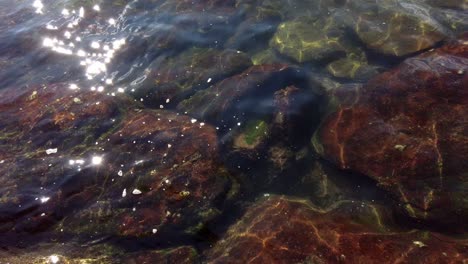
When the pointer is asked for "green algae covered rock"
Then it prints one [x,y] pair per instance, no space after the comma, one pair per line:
[394,28]
[306,39]
[353,66]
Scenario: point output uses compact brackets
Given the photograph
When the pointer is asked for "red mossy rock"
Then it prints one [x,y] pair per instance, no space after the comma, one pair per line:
[408,129]
[101,165]
[286,230]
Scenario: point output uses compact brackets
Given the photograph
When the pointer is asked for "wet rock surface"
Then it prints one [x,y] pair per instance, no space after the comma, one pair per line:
[395,28]
[305,39]
[233,98]
[102,166]
[176,78]
[406,129]
[97,254]
[139,131]
[285,230]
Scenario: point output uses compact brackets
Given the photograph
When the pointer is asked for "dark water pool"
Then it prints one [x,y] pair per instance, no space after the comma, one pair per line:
[233,131]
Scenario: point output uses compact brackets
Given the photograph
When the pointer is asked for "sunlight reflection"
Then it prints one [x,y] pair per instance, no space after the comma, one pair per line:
[39,6]
[96,160]
[94,55]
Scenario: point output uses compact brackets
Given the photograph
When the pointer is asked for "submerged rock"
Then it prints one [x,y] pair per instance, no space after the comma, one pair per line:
[71,253]
[275,142]
[353,66]
[172,79]
[306,39]
[102,166]
[286,230]
[407,129]
[231,100]
[394,28]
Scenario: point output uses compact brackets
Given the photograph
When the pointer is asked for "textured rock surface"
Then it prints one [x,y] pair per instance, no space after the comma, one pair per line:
[173,79]
[407,129]
[233,98]
[286,230]
[395,28]
[305,39]
[104,166]
[96,254]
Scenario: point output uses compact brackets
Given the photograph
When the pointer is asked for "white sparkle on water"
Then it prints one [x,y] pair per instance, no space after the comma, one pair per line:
[39,6]
[96,160]
[54,259]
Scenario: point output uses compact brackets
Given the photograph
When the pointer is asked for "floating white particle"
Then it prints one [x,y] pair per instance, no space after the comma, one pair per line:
[154,230]
[44,199]
[65,12]
[100,88]
[193,120]
[51,151]
[81,12]
[53,259]
[43,214]
[202,124]
[67,34]
[161,106]
[124,193]
[120,173]
[209,80]
[120,90]
[73,86]
[136,192]
[96,8]
[96,160]
[78,39]
[238,124]
[108,81]
[169,146]
[111,21]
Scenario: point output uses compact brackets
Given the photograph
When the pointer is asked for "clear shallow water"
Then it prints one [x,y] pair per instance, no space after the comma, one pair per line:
[151,125]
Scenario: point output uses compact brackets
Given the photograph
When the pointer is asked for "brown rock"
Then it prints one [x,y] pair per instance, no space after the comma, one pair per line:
[407,129]
[287,230]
